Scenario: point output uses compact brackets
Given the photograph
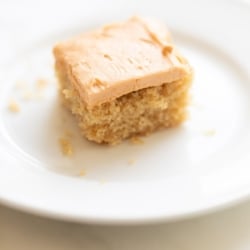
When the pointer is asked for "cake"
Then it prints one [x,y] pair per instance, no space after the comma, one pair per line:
[123,80]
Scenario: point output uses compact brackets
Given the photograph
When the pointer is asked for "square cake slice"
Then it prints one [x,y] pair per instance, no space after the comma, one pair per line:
[122,80]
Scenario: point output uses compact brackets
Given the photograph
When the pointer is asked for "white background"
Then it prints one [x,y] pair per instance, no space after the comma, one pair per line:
[227,230]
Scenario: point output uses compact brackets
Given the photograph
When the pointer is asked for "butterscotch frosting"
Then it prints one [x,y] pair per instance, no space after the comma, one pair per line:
[120,58]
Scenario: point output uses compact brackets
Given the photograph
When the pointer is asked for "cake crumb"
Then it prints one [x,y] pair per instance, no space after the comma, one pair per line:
[20,85]
[131,162]
[136,140]
[66,146]
[188,116]
[82,173]
[28,95]
[68,133]
[41,83]
[39,96]
[196,104]
[14,107]
[209,132]
[102,182]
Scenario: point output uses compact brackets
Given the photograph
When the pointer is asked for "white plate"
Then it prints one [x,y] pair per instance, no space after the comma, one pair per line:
[200,166]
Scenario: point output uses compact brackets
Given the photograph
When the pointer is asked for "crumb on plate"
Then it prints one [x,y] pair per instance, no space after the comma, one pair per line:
[66,146]
[28,95]
[82,173]
[102,182]
[20,84]
[41,83]
[136,140]
[196,104]
[131,162]
[14,107]
[68,133]
[188,115]
[209,132]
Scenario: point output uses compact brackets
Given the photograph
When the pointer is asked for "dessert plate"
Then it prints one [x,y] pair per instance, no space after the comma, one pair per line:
[198,167]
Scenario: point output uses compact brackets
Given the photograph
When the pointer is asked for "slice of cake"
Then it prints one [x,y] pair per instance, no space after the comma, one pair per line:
[122,80]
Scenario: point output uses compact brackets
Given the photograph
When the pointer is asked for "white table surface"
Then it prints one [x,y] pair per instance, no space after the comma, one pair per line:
[224,230]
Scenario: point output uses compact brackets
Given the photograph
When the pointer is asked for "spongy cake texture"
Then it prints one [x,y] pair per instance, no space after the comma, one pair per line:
[137,112]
